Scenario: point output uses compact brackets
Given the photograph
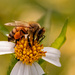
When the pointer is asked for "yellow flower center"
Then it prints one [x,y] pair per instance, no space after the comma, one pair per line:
[28,54]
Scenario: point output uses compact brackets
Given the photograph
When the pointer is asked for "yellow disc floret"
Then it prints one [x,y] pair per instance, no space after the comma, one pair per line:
[28,54]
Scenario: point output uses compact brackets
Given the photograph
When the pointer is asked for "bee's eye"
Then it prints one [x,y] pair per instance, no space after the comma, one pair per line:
[40,31]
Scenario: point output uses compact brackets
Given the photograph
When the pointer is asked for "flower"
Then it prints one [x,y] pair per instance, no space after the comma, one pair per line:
[28,56]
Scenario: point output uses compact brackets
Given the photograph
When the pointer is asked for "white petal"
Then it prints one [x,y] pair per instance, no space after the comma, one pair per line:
[52,56]
[6,47]
[26,70]
[33,70]
[51,50]
[39,69]
[16,68]
[55,62]
[6,44]
[21,69]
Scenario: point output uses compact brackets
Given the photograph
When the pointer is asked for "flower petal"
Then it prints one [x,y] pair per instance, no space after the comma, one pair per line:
[21,69]
[52,50]
[33,70]
[6,44]
[6,47]
[26,70]
[52,56]
[16,68]
[38,68]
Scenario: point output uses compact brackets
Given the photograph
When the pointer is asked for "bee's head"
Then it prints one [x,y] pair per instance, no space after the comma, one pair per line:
[41,31]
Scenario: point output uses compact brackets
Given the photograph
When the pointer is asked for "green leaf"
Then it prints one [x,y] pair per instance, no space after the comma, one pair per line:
[41,61]
[3,30]
[44,74]
[12,63]
[61,38]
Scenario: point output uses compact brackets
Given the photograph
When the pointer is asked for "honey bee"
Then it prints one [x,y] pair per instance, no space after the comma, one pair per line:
[22,28]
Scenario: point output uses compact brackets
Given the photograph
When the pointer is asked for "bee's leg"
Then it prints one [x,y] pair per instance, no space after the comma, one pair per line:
[33,38]
[21,33]
[28,40]
[16,40]
[37,38]
[41,38]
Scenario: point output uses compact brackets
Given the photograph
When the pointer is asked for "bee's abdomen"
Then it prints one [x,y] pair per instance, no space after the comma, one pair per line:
[11,35]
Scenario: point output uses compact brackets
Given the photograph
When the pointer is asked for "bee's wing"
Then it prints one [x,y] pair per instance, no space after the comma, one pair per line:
[10,24]
[18,24]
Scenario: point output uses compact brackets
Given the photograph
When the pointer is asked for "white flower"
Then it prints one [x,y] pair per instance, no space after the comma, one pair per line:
[52,56]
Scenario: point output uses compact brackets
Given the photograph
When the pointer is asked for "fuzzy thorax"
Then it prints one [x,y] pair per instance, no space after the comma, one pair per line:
[28,54]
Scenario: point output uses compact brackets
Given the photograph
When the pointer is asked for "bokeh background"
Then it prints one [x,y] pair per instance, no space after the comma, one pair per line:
[53,13]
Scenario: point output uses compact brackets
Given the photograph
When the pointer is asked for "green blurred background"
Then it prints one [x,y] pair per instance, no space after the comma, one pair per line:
[53,13]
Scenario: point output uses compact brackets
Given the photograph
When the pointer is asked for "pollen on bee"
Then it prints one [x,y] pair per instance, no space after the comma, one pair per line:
[27,54]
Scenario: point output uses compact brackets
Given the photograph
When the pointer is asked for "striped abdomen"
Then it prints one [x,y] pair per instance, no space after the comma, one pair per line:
[16,33]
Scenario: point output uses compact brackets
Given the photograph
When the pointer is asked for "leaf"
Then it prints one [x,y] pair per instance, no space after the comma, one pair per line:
[3,30]
[41,61]
[61,38]
[12,63]
[44,74]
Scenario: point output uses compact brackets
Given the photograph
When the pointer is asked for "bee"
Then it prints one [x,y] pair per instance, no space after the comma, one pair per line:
[31,29]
